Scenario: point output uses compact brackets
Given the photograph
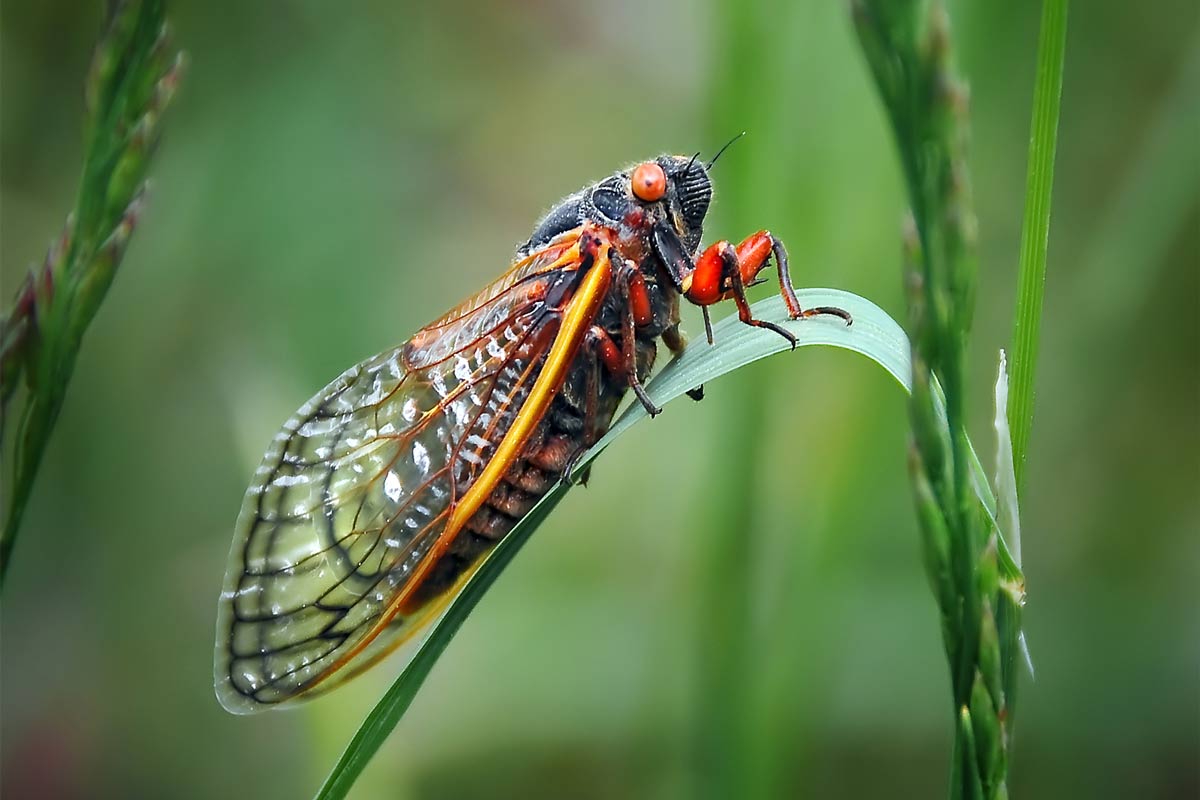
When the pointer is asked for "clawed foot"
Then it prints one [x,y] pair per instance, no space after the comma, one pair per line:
[832,311]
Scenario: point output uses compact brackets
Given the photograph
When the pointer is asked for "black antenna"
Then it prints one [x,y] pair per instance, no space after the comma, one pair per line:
[688,168]
[723,149]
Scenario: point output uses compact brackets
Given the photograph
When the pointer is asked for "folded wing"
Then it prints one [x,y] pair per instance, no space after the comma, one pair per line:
[359,484]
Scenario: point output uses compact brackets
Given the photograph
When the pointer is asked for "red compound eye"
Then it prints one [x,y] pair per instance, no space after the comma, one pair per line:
[649,182]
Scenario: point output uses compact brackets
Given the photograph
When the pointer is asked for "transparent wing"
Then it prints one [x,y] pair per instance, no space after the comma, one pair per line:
[358,485]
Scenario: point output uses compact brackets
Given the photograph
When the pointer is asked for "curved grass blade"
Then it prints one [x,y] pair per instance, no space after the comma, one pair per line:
[873,334]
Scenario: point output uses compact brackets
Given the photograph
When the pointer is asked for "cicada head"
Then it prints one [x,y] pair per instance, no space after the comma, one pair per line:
[674,191]
[688,194]
[671,190]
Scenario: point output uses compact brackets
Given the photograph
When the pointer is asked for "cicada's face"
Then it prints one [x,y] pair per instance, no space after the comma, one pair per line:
[670,191]
[689,191]
[674,190]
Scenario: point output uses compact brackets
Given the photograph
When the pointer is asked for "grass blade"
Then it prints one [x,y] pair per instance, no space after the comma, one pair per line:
[1035,232]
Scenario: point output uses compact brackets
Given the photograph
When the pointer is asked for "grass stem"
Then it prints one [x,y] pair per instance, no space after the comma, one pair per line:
[134,74]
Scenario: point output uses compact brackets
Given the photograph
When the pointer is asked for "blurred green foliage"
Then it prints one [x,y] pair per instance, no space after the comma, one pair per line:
[331,181]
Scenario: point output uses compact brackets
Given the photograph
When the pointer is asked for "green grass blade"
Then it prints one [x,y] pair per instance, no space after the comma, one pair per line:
[1035,231]
[874,334]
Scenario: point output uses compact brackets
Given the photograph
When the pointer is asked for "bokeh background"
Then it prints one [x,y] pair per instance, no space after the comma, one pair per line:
[333,176]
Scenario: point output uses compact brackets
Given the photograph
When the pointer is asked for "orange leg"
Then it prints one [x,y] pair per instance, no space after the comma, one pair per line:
[606,350]
[621,361]
[638,313]
[723,271]
[639,299]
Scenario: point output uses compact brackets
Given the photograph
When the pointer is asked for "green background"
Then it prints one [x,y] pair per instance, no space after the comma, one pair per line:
[333,176]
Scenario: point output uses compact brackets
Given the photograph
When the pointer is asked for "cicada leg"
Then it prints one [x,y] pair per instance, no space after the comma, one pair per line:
[723,271]
[604,354]
[621,360]
[632,286]
[675,340]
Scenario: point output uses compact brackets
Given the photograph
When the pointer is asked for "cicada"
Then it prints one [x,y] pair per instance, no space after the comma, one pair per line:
[380,497]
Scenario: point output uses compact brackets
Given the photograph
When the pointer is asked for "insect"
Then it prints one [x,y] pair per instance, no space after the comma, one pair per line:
[385,491]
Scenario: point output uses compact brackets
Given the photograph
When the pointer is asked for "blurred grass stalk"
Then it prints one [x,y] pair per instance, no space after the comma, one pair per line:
[978,586]
[719,737]
[133,75]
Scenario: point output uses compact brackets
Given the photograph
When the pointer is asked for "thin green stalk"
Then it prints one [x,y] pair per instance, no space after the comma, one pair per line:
[1043,139]
[134,74]
[977,585]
